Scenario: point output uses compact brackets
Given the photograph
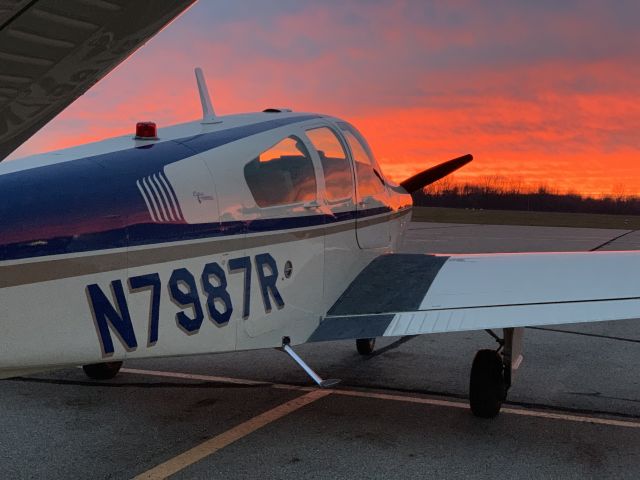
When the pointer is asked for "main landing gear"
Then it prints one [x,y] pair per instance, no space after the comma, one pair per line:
[365,346]
[492,373]
[102,371]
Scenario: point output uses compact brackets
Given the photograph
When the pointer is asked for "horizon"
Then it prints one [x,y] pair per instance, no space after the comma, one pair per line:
[517,186]
[538,93]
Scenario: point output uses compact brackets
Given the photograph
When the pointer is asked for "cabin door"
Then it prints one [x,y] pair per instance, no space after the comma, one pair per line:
[372,201]
[338,207]
[284,241]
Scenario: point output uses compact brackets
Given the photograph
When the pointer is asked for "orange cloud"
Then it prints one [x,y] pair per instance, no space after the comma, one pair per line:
[531,89]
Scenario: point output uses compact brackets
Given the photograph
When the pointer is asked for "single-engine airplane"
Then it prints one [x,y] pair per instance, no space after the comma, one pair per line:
[250,231]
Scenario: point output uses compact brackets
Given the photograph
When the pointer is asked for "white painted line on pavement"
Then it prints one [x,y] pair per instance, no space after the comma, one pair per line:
[400,398]
[572,418]
[213,378]
[192,376]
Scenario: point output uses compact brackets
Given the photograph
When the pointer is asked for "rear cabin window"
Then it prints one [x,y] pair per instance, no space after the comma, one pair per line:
[369,183]
[282,175]
[337,171]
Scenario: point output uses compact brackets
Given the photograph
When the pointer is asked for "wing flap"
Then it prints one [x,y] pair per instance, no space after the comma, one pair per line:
[509,316]
[406,294]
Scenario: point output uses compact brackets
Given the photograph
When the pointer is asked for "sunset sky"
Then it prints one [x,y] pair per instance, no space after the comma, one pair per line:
[540,92]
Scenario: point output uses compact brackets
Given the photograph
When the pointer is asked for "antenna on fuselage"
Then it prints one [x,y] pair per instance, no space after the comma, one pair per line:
[208,114]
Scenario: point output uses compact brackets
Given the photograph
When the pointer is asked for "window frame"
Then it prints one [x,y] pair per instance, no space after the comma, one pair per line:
[345,148]
[363,141]
[373,163]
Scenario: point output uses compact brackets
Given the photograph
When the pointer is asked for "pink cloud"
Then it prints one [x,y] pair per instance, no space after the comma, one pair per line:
[532,90]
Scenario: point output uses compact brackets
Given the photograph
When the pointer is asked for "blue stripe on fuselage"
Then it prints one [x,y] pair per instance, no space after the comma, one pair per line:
[90,203]
[157,233]
[93,203]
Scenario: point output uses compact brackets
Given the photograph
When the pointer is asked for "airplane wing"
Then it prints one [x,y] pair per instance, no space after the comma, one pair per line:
[408,294]
[51,52]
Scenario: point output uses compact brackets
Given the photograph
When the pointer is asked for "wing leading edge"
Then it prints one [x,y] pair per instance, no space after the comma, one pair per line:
[51,52]
[409,294]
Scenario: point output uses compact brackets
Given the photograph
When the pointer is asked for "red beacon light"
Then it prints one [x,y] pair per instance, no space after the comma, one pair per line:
[146,131]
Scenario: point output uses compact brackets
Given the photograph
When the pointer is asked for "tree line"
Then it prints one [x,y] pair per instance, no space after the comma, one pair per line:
[497,193]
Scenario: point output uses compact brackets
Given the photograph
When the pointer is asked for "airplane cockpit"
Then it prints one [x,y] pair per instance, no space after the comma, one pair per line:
[284,173]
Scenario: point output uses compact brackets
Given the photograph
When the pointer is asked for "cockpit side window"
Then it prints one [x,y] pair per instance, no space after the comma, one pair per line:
[338,178]
[282,174]
[368,174]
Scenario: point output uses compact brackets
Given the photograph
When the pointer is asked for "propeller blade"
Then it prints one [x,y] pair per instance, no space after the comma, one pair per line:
[433,174]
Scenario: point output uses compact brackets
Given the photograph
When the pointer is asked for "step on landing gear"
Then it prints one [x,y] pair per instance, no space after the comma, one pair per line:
[102,371]
[331,382]
[492,373]
[365,346]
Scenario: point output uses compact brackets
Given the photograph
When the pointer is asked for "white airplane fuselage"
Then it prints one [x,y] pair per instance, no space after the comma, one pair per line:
[133,248]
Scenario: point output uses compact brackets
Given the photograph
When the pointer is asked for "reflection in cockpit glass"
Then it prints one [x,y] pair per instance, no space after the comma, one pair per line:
[337,171]
[282,175]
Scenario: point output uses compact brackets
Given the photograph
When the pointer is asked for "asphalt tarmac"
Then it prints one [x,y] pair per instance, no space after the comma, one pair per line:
[573,412]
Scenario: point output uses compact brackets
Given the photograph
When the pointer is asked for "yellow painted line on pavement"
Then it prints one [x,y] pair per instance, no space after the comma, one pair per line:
[218,442]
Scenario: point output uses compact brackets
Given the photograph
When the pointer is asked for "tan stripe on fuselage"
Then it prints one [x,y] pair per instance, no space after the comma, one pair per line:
[46,270]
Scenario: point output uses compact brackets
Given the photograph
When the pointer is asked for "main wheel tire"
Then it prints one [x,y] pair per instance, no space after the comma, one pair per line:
[365,346]
[102,371]
[487,387]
